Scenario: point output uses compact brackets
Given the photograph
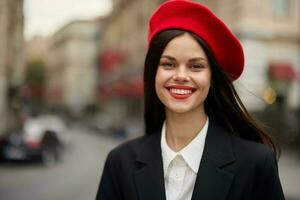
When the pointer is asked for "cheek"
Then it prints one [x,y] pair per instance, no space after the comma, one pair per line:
[204,84]
[160,78]
[157,81]
[158,84]
[204,80]
[208,80]
[208,87]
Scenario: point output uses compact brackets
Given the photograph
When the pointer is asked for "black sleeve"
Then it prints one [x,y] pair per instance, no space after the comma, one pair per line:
[108,187]
[269,186]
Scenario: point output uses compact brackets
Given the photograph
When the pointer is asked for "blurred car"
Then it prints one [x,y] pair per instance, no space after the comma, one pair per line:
[42,137]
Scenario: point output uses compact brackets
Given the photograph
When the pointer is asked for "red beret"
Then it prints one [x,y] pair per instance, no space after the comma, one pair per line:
[196,18]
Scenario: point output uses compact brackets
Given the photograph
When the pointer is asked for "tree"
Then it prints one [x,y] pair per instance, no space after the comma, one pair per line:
[35,82]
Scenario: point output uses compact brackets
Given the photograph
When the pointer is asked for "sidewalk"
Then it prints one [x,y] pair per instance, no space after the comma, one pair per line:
[289,172]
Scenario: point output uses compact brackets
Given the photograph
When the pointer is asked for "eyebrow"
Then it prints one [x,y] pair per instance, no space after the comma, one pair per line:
[192,59]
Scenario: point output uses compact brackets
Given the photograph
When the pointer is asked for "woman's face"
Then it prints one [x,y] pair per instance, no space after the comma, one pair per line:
[183,76]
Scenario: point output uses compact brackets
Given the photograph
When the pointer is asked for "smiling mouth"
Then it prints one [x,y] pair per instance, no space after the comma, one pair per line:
[180,92]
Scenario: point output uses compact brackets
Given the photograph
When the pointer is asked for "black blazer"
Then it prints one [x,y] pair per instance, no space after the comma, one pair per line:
[231,168]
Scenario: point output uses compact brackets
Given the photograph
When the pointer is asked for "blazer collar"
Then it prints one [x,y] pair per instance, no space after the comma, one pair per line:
[215,173]
[217,167]
[149,178]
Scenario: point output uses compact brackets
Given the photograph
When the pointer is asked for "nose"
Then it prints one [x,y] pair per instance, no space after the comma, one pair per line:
[181,75]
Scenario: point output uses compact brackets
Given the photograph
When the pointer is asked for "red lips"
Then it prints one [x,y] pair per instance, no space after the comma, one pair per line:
[180,91]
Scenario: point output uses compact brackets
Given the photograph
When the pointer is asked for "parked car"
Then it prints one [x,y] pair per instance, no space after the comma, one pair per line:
[42,137]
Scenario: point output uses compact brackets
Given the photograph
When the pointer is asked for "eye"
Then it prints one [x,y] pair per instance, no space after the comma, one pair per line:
[196,66]
[166,64]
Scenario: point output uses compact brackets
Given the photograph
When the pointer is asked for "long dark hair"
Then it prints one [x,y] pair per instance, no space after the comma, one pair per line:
[222,104]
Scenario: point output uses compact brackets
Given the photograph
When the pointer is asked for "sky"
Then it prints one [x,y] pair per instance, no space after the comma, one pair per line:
[44,17]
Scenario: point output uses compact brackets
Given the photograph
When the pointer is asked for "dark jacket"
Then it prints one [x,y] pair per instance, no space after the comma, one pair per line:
[231,168]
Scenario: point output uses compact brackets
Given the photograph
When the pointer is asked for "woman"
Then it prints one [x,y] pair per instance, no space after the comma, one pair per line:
[200,143]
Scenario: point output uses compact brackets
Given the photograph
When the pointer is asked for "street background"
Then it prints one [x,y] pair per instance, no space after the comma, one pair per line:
[77,176]
[81,63]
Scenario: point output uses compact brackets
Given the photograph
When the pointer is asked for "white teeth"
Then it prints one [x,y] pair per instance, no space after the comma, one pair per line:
[180,91]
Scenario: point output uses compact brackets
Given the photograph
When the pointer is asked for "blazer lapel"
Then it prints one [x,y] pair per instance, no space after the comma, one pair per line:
[149,178]
[217,166]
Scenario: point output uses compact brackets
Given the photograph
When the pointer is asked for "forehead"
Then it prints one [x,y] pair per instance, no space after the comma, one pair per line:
[184,46]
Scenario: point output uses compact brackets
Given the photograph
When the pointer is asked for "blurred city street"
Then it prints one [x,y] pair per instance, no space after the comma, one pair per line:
[79,67]
[77,176]
[289,171]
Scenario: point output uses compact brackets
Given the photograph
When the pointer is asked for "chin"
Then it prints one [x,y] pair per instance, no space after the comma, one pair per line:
[178,110]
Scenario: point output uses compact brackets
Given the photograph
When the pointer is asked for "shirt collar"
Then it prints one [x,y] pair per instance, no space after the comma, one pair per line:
[167,153]
[192,153]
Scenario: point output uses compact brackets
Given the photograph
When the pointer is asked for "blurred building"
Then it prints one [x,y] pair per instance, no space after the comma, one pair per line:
[11,56]
[33,89]
[122,52]
[72,65]
[269,31]
[36,48]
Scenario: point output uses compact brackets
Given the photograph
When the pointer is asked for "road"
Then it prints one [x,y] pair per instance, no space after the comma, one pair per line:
[289,172]
[77,176]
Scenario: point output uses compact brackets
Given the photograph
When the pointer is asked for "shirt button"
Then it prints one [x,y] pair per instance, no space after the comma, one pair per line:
[177,176]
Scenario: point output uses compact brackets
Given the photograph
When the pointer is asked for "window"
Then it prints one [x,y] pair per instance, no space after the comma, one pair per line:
[280,7]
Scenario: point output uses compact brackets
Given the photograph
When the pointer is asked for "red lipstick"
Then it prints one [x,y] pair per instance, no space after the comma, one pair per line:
[180,91]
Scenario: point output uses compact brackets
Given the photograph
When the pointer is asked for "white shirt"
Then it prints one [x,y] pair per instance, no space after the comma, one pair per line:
[181,168]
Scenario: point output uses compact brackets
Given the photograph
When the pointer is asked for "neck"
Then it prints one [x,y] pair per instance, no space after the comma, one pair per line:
[181,129]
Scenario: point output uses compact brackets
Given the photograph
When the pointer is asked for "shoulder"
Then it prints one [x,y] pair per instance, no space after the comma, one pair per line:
[244,147]
[256,165]
[243,150]
[253,154]
[128,146]
[128,150]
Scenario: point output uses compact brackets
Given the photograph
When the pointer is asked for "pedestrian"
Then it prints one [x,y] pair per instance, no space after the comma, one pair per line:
[200,143]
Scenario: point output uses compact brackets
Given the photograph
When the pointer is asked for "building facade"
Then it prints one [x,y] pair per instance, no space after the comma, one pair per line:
[72,65]
[11,56]
[36,48]
[122,50]
[269,31]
